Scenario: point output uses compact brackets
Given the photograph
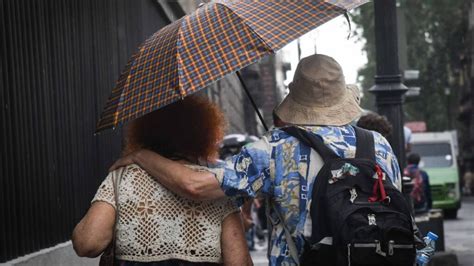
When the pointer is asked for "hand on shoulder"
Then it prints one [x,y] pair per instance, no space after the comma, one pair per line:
[131,158]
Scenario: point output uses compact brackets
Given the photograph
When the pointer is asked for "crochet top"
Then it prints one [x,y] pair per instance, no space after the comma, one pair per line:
[155,224]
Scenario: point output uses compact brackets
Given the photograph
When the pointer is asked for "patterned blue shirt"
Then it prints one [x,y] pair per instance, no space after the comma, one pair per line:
[279,167]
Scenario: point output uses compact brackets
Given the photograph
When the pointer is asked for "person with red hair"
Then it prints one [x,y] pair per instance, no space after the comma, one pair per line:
[154,224]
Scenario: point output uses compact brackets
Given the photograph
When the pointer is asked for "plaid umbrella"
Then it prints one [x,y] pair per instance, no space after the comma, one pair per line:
[217,39]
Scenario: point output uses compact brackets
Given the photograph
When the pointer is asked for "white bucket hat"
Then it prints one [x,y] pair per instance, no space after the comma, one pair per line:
[319,95]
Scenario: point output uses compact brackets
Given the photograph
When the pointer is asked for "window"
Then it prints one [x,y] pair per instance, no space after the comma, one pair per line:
[434,154]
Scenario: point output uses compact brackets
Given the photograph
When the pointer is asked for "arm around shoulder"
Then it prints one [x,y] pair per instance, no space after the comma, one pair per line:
[186,182]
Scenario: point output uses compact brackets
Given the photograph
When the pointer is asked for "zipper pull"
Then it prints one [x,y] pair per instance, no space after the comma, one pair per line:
[378,249]
[353,192]
[371,219]
[390,247]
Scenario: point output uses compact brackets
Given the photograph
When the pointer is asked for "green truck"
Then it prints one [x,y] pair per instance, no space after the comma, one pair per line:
[438,151]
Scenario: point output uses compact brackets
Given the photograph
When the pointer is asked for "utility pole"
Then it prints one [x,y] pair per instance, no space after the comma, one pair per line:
[388,88]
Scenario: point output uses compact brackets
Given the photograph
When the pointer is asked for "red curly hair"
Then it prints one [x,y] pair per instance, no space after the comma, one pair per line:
[191,128]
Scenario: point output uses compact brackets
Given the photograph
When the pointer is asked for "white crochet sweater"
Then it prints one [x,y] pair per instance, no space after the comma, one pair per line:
[155,224]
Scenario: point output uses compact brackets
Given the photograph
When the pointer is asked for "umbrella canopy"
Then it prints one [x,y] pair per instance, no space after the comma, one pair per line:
[217,39]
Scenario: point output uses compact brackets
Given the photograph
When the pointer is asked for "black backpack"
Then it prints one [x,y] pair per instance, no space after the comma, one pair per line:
[358,216]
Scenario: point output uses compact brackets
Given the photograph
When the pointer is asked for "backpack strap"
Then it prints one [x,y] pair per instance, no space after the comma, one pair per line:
[312,141]
[365,148]
[289,240]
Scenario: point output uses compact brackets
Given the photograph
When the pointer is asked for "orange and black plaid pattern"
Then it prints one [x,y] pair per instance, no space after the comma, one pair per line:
[279,22]
[217,39]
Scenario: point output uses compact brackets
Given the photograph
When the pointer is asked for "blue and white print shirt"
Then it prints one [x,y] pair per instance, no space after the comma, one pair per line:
[278,166]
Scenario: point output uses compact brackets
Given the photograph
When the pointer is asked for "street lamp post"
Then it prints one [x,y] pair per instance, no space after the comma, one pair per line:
[388,88]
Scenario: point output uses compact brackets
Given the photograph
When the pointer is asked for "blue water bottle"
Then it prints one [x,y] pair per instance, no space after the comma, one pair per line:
[424,255]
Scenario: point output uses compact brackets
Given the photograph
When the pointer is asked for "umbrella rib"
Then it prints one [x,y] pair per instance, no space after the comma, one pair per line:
[118,111]
[181,92]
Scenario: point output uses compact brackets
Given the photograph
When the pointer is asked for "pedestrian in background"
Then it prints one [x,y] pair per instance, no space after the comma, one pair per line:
[468,179]
[155,225]
[421,193]
[375,122]
[407,137]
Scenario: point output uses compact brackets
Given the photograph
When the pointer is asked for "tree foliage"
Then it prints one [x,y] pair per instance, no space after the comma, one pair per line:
[435,32]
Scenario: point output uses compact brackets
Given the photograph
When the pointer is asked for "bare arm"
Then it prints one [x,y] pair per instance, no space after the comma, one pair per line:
[175,176]
[246,215]
[95,231]
[233,243]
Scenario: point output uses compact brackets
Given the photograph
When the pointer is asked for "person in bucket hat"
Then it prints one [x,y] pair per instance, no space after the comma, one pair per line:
[319,95]
[279,167]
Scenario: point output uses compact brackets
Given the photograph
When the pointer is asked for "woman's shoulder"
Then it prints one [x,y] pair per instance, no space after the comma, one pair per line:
[131,168]
[133,172]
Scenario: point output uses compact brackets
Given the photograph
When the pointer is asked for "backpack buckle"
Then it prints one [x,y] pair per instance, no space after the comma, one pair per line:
[390,247]
[378,249]
[371,219]
[353,192]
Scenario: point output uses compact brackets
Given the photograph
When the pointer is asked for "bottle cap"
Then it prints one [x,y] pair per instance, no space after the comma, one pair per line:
[432,236]
[423,259]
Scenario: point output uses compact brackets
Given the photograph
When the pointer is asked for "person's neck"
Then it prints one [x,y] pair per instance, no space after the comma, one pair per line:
[279,123]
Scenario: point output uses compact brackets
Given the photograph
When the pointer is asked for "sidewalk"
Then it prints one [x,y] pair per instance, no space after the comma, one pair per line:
[259,257]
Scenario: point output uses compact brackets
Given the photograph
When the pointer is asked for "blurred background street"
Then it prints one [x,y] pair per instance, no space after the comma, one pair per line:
[459,233]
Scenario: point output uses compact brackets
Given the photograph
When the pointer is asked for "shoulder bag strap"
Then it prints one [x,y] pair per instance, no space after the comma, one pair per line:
[116,179]
[289,240]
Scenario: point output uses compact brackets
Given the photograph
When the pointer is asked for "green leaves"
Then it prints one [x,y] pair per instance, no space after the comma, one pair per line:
[435,41]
